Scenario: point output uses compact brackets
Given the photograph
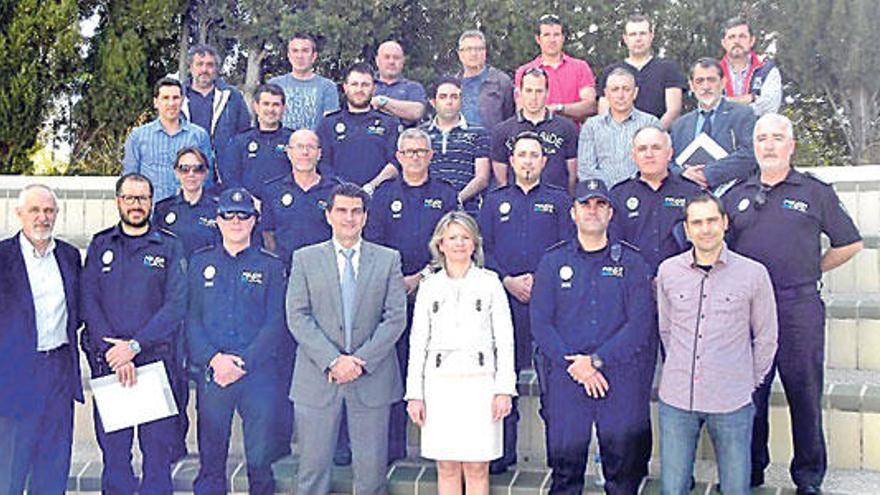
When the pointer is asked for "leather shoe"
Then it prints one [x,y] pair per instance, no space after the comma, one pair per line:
[809,490]
[342,458]
[498,467]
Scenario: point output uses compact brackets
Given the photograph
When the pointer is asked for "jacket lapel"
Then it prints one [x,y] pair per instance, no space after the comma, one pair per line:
[364,274]
[332,269]
[20,279]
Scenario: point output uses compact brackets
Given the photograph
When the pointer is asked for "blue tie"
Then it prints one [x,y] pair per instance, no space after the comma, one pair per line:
[348,291]
[707,121]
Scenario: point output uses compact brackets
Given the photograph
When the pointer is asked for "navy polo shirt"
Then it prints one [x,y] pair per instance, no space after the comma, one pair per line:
[517,227]
[236,306]
[558,133]
[402,89]
[201,108]
[591,302]
[781,226]
[295,216]
[652,80]
[194,224]
[455,152]
[255,156]
[133,288]
[403,217]
[652,220]
[355,147]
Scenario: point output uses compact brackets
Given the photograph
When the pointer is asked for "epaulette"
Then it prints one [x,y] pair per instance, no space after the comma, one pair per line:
[811,175]
[275,179]
[555,187]
[103,232]
[334,112]
[269,253]
[167,232]
[203,249]
[558,245]
[500,188]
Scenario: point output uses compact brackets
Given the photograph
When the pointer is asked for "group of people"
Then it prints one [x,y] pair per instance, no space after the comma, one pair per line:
[357,262]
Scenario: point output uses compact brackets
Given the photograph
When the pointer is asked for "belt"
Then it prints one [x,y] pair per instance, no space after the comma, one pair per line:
[809,289]
[52,352]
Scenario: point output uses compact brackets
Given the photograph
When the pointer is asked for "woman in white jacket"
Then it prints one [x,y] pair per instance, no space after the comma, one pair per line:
[460,378]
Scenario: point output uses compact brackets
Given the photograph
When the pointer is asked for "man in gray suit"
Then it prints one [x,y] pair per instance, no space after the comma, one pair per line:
[346,307]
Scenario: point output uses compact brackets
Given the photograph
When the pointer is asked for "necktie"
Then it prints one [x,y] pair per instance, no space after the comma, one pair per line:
[707,121]
[348,291]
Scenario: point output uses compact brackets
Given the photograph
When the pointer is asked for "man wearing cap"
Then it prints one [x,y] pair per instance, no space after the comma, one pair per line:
[235,326]
[590,314]
[405,212]
[518,223]
[134,302]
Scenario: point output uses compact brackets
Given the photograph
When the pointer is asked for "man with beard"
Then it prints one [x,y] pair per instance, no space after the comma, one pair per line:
[134,300]
[358,142]
[39,372]
[729,124]
[750,79]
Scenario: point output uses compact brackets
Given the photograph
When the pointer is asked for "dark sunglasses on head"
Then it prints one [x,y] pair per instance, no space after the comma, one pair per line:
[241,215]
[198,169]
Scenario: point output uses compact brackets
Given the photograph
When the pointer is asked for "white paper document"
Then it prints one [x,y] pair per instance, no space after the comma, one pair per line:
[701,150]
[148,400]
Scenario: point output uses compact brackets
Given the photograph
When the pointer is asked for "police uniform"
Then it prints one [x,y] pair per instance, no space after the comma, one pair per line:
[135,288]
[517,227]
[193,224]
[403,217]
[780,226]
[599,304]
[295,216]
[356,146]
[254,157]
[237,307]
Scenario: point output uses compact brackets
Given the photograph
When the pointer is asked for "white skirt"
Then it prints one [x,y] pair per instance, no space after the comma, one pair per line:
[458,419]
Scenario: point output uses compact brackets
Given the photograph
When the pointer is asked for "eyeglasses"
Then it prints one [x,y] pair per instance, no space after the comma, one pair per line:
[241,215]
[302,147]
[194,169]
[130,199]
[419,152]
[472,49]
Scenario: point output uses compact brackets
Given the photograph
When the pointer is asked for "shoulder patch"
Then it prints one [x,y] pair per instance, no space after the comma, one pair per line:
[334,112]
[815,178]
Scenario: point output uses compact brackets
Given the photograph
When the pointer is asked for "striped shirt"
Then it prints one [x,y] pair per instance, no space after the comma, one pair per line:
[150,150]
[456,151]
[605,146]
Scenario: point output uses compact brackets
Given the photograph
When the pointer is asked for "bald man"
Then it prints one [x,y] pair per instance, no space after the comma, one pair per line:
[395,94]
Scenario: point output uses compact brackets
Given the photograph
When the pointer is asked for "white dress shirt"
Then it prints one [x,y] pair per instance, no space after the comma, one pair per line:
[340,258]
[47,287]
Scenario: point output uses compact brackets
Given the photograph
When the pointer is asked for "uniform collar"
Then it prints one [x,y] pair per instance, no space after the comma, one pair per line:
[152,234]
[794,177]
[462,123]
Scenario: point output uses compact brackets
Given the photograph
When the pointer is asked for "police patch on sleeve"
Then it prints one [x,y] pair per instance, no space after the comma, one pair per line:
[632,203]
[504,208]
[396,206]
[287,199]
[743,204]
[171,217]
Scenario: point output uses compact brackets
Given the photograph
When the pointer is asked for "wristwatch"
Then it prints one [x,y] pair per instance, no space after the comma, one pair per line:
[135,346]
[382,100]
[369,188]
[559,108]
[596,361]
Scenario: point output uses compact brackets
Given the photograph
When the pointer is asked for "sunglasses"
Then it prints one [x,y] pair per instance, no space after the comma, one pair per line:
[195,169]
[241,215]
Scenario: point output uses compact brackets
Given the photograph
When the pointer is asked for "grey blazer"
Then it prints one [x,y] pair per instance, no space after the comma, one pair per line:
[314,315]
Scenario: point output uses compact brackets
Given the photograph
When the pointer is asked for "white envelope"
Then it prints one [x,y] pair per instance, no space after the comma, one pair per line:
[148,400]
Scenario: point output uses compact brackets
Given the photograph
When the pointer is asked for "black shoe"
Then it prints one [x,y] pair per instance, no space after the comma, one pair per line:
[498,467]
[757,479]
[809,490]
[342,458]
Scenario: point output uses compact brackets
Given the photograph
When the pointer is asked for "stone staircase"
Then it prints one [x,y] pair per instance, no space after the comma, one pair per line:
[851,399]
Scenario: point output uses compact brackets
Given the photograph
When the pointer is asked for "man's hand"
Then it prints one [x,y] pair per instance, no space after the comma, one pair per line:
[596,385]
[347,369]
[118,355]
[581,367]
[411,282]
[127,374]
[520,287]
[695,173]
[228,368]
[501,406]
[416,410]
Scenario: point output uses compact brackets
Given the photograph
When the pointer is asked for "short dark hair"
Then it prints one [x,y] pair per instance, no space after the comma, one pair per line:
[304,36]
[272,89]
[548,20]
[360,68]
[203,49]
[166,81]
[186,150]
[349,190]
[133,177]
[535,71]
[638,17]
[707,63]
[527,135]
[734,22]
[704,197]
[445,80]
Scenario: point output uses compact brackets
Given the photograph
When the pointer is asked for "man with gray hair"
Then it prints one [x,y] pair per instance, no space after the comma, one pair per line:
[486,92]
[605,144]
[39,375]
[403,214]
[210,103]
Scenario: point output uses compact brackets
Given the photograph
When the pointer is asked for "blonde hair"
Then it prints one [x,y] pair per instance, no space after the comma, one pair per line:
[469,224]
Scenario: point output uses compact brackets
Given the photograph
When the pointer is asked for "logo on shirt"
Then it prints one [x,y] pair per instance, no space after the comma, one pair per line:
[674,202]
[340,128]
[612,271]
[795,204]
[280,148]
[544,208]
[321,204]
[286,200]
[504,210]
[106,259]
[377,129]
[171,217]
[396,206]
[154,261]
[254,278]
[566,272]
[743,204]
[209,273]
[253,146]
[632,203]
[433,203]
[207,222]
[552,139]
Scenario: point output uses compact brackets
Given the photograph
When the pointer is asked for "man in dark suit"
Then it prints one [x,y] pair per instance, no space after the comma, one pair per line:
[39,372]
[728,124]
[346,308]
